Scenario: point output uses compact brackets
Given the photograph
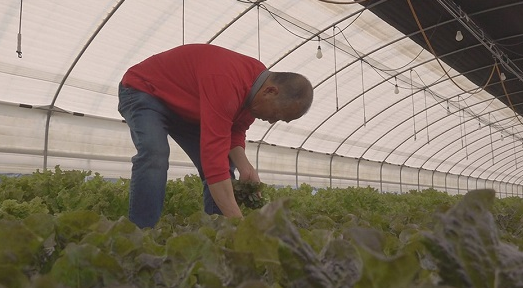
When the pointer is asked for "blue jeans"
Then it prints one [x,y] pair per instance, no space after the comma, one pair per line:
[150,122]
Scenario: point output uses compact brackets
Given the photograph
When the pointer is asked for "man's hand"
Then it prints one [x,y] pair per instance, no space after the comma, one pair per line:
[249,175]
[249,193]
[247,171]
[223,195]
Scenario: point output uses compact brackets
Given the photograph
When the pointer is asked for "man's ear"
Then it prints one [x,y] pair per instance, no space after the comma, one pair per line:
[270,90]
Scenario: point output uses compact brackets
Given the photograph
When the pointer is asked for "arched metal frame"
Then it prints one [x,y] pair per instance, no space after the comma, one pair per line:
[354,99]
[515,177]
[51,108]
[333,154]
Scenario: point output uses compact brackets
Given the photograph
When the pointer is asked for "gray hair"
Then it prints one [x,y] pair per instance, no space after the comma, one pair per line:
[293,88]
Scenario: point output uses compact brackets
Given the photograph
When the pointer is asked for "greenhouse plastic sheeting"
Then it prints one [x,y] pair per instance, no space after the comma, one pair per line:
[58,103]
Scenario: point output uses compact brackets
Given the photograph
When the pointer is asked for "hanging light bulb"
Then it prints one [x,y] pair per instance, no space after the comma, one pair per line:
[396,89]
[502,138]
[448,108]
[479,126]
[502,76]
[318,52]
[459,36]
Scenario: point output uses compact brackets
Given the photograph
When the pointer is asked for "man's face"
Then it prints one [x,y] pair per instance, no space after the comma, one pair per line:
[271,112]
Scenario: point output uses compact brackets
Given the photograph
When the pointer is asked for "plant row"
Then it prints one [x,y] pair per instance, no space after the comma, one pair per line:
[69,229]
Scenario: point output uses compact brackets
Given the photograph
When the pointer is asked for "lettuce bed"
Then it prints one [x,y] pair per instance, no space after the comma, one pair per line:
[68,229]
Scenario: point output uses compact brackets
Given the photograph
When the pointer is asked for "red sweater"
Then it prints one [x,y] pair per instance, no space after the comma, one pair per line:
[203,84]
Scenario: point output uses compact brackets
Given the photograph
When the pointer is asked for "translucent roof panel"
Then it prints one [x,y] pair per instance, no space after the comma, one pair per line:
[380,95]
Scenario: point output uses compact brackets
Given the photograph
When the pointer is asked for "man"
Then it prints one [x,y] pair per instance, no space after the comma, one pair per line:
[205,97]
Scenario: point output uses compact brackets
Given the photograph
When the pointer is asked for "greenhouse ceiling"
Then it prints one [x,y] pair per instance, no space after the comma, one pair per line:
[395,85]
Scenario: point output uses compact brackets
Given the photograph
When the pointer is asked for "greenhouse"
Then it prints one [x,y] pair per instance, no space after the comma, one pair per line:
[408,94]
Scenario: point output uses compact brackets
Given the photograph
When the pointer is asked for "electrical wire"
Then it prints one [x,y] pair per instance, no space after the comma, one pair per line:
[429,45]
[283,26]
[413,107]
[377,69]
[509,45]
[513,52]
[383,70]
[183,22]
[348,25]
[337,2]
[434,96]
[258,31]
[19,37]
[336,71]
[479,89]
[506,94]
[446,73]
[273,15]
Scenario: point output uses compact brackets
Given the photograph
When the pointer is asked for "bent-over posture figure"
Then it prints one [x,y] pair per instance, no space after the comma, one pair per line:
[205,97]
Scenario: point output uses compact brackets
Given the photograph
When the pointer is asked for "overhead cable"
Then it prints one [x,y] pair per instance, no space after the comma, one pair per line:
[19,43]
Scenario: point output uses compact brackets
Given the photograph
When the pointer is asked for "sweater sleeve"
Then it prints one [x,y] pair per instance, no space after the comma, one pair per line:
[239,128]
[220,100]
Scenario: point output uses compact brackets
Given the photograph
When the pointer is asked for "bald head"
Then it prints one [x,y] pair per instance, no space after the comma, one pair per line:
[294,89]
[283,96]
